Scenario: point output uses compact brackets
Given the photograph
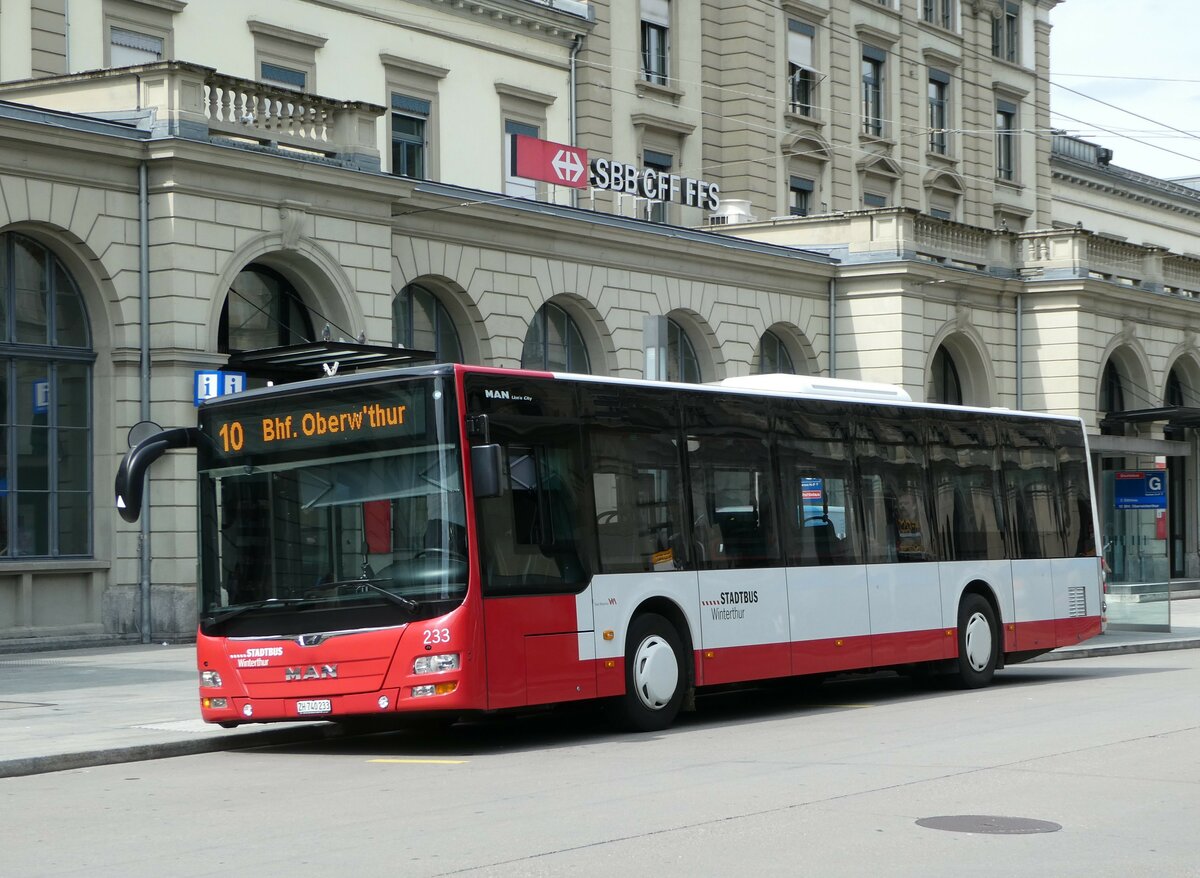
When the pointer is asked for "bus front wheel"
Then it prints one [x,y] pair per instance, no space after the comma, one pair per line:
[655,675]
[978,642]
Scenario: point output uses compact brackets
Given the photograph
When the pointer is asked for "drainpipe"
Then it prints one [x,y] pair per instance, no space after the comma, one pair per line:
[1020,351]
[576,45]
[144,406]
[833,327]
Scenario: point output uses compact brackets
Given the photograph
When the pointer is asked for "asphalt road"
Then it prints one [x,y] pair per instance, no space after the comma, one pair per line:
[1104,751]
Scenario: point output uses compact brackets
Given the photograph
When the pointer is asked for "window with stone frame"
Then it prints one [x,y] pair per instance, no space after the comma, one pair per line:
[46,416]
[655,41]
[285,57]
[139,31]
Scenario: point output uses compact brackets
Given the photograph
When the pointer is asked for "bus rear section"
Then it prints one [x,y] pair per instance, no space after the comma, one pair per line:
[654,539]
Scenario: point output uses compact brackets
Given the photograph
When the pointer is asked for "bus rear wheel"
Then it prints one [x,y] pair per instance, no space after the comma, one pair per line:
[655,675]
[978,642]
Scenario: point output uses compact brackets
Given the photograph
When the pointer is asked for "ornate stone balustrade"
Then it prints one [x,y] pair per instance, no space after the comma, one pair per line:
[1181,276]
[953,243]
[177,99]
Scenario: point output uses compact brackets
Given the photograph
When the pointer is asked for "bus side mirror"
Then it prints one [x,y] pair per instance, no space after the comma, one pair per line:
[131,475]
[487,470]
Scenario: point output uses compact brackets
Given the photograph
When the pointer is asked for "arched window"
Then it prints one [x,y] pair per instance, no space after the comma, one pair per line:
[1174,398]
[1112,398]
[420,321]
[682,364]
[46,401]
[947,387]
[554,343]
[262,310]
[773,355]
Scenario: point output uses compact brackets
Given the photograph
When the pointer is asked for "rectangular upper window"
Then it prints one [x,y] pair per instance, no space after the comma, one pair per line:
[519,187]
[656,29]
[1006,33]
[800,191]
[128,47]
[802,77]
[872,90]
[656,211]
[410,117]
[277,74]
[939,112]
[1006,141]
[939,12]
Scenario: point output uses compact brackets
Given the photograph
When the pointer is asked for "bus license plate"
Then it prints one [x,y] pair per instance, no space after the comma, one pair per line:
[321,705]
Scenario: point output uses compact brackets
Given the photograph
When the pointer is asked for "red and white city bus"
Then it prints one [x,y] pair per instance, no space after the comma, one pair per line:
[459,539]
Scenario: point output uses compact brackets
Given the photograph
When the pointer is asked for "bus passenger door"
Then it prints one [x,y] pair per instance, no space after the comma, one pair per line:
[535,546]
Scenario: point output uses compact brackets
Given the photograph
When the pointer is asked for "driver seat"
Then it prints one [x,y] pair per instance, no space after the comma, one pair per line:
[456,534]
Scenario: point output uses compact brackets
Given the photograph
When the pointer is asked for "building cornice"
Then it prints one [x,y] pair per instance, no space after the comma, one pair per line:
[558,20]
[1125,188]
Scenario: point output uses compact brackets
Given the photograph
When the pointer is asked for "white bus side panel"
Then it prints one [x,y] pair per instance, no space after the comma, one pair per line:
[614,597]
[743,607]
[828,602]
[904,597]
[956,575]
[1033,599]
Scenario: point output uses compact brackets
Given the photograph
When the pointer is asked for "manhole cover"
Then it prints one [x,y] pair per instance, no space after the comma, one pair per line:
[986,824]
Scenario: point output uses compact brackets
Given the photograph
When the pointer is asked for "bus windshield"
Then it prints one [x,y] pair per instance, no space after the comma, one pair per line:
[310,528]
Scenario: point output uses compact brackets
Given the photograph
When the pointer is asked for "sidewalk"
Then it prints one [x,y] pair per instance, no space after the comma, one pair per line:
[85,707]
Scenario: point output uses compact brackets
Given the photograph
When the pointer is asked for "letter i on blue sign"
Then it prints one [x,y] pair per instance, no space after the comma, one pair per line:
[207,385]
[233,382]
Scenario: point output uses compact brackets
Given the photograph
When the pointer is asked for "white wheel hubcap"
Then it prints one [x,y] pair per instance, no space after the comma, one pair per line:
[655,672]
[978,642]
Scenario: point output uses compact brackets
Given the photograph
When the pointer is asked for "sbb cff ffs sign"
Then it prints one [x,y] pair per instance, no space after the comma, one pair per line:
[569,166]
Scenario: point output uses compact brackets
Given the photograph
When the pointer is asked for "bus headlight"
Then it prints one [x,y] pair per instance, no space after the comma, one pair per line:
[436,664]
[210,679]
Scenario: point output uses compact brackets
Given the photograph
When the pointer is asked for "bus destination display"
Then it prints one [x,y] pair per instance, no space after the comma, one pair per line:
[312,424]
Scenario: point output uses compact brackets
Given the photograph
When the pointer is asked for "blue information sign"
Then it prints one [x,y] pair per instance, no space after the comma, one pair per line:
[210,383]
[1140,489]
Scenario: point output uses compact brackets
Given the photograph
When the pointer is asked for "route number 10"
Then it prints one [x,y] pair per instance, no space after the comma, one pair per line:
[233,436]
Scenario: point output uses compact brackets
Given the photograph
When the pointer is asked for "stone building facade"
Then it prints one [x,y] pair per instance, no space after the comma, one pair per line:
[890,213]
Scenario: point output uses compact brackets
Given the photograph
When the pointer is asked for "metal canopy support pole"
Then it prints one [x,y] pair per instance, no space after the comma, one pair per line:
[654,345]
[833,326]
[1020,351]
[144,410]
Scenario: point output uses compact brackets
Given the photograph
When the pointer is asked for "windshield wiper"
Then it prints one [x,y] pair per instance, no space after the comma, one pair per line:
[373,585]
[218,618]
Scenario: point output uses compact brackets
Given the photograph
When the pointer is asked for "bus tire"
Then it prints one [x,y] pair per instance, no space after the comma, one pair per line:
[655,675]
[978,642]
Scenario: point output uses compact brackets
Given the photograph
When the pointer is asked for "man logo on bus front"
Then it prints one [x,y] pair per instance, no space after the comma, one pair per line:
[310,672]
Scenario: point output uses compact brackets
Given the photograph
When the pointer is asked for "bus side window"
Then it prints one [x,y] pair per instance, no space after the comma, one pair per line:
[964,466]
[636,485]
[814,467]
[890,449]
[1030,469]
